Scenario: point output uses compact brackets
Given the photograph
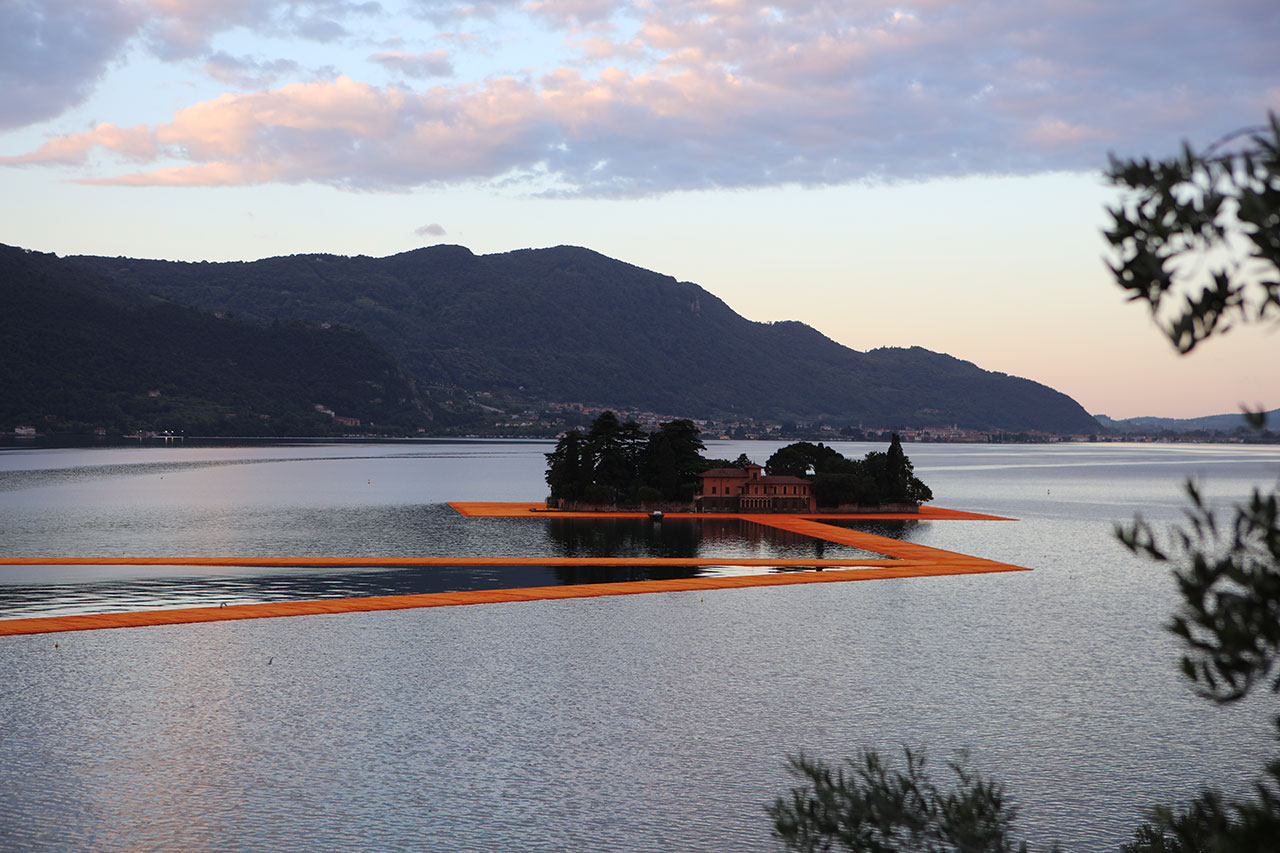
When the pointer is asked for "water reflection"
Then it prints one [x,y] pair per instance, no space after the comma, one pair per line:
[687,537]
[371,531]
[572,575]
[903,530]
[622,537]
[152,587]
[170,529]
[161,587]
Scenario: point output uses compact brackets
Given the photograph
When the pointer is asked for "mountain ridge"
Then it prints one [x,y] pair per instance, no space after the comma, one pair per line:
[1226,422]
[570,324]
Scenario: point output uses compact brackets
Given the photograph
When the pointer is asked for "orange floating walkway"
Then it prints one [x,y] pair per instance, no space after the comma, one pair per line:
[141,618]
[341,562]
[866,541]
[911,560]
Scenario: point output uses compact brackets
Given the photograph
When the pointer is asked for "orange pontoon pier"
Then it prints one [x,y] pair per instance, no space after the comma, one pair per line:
[909,560]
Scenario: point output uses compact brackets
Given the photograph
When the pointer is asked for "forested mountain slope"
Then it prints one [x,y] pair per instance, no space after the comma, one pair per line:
[568,324]
[80,351]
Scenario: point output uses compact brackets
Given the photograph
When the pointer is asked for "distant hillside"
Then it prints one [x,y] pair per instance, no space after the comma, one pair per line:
[80,352]
[1210,423]
[570,325]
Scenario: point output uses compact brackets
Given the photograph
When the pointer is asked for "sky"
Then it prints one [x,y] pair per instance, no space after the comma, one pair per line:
[893,174]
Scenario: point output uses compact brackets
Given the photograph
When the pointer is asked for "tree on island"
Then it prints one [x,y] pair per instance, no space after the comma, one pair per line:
[613,449]
[878,478]
[802,459]
[569,467]
[743,462]
[619,463]
[1214,209]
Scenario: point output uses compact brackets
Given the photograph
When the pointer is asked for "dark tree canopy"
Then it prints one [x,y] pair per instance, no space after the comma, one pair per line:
[567,470]
[613,453]
[619,463]
[878,478]
[803,459]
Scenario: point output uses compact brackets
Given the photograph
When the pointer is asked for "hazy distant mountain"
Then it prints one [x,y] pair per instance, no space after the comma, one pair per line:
[82,352]
[1222,423]
[570,325]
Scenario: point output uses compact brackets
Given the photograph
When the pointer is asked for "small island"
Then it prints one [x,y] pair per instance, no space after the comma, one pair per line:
[617,466]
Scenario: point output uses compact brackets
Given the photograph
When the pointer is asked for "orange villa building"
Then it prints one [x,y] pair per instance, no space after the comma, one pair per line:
[747,490]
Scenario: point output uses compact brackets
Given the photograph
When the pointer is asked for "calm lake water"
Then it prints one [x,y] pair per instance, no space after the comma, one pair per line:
[653,722]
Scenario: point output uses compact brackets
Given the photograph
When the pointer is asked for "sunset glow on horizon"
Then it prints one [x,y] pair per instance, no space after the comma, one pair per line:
[926,174]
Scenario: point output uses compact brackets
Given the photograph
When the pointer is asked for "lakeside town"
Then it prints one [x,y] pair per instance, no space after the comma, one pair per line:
[551,420]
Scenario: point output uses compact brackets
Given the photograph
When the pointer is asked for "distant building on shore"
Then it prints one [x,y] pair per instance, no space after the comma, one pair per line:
[747,490]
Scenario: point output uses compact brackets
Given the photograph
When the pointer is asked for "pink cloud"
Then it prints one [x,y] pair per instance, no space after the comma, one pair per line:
[130,143]
[323,131]
[202,175]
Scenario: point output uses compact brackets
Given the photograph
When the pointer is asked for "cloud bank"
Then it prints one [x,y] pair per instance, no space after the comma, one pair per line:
[434,63]
[665,95]
[52,54]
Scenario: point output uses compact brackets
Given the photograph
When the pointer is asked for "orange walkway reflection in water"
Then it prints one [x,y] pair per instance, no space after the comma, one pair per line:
[910,560]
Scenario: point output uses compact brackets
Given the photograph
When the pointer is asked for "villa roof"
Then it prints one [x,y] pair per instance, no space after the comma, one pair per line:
[784,480]
[724,472]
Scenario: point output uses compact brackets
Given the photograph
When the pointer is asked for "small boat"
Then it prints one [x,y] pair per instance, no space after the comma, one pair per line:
[656,515]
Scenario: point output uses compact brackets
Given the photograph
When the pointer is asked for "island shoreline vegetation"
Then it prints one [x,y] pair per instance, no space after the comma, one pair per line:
[618,465]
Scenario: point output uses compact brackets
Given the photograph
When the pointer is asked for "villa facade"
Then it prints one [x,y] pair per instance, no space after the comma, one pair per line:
[748,490]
